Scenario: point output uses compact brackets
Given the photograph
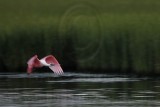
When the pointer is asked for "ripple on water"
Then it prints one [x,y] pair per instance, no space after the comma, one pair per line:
[96,80]
[77,89]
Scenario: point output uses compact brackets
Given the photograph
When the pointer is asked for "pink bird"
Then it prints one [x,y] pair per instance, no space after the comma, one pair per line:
[49,61]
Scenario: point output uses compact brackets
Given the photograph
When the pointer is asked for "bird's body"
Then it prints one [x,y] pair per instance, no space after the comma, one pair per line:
[49,61]
[43,62]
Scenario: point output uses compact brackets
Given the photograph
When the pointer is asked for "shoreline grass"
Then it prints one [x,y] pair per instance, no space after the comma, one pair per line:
[117,36]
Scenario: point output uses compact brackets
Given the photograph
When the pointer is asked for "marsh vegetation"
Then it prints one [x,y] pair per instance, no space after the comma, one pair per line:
[117,35]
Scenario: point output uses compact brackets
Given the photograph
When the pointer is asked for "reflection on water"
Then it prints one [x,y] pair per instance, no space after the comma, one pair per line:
[78,90]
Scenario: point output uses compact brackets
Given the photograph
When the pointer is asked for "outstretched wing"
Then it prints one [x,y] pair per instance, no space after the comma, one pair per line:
[55,66]
[33,62]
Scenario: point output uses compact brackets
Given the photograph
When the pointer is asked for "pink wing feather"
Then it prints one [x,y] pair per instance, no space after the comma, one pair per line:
[56,68]
[33,62]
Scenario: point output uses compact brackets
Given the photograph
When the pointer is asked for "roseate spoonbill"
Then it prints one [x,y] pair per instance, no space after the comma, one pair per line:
[49,61]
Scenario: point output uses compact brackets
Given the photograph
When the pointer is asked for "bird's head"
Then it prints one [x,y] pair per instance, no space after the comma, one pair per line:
[52,64]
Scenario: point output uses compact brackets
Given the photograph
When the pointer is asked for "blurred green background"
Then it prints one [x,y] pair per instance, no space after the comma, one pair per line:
[93,35]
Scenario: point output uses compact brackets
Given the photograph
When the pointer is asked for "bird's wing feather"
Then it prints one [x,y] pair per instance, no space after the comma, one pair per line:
[56,68]
[33,62]
[51,59]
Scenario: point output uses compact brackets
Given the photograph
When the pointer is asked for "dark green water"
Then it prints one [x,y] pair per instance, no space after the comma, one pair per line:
[78,90]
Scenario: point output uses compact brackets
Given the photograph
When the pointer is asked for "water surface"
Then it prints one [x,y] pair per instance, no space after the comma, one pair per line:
[77,90]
